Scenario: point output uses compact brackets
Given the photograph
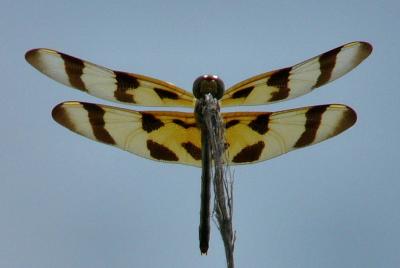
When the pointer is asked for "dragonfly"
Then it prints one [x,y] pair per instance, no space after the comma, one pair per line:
[179,137]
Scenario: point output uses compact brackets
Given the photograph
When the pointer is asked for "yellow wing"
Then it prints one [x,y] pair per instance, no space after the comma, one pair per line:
[107,84]
[138,89]
[162,136]
[258,136]
[175,138]
[299,79]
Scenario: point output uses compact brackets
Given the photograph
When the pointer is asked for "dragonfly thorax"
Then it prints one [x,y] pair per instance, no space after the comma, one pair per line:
[208,84]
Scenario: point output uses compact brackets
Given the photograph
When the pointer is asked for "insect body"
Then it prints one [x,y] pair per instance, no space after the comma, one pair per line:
[178,137]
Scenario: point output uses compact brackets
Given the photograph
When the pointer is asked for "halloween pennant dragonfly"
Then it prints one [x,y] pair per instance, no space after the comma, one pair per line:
[176,137]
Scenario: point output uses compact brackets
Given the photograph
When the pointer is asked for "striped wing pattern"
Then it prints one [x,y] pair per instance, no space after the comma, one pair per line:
[137,89]
[174,136]
[162,136]
[259,136]
[291,82]
[107,84]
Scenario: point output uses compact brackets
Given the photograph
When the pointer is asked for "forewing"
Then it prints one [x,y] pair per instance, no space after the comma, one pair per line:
[256,136]
[162,136]
[291,82]
[107,84]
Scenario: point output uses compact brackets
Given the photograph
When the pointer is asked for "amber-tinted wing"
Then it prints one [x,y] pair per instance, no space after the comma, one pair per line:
[257,136]
[175,138]
[107,84]
[162,136]
[299,79]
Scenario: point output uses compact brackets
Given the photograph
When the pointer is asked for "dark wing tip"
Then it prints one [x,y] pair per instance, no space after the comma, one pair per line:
[60,115]
[31,56]
[366,49]
[349,118]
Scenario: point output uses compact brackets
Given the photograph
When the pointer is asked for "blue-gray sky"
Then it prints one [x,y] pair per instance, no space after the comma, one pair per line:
[66,201]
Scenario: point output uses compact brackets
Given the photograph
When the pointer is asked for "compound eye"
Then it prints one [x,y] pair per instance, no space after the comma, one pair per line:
[208,84]
[220,89]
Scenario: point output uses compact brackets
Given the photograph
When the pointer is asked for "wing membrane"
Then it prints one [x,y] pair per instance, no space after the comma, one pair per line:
[105,83]
[258,136]
[162,136]
[299,79]
[175,138]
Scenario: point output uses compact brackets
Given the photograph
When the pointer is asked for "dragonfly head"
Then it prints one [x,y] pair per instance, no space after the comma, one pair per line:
[208,84]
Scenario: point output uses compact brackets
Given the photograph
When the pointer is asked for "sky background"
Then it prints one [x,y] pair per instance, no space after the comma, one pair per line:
[66,201]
